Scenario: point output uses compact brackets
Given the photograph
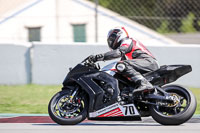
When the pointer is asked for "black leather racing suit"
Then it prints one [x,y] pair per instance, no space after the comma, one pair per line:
[135,57]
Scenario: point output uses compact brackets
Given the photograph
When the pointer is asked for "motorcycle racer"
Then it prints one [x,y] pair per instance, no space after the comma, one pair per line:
[136,59]
[102,94]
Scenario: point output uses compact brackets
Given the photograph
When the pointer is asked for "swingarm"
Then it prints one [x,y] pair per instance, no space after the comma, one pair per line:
[159,97]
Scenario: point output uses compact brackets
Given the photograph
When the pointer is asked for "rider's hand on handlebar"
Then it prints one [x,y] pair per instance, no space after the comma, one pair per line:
[92,58]
[99,57]
[95,58]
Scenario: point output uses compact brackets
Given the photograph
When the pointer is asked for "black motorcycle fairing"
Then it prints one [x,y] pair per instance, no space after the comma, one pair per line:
[118,118]
[90,80]
[91,84]
[78,71]
[167,74]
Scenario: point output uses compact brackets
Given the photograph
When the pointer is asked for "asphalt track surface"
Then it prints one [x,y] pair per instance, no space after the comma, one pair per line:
[43,124]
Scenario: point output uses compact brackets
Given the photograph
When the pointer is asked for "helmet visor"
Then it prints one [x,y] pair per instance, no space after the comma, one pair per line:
[111,40]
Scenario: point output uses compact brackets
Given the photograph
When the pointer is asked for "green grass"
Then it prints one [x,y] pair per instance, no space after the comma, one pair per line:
[196,92]
[31,99]
[34,99]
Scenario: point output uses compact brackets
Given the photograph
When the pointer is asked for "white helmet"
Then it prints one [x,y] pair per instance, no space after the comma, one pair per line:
[115,37]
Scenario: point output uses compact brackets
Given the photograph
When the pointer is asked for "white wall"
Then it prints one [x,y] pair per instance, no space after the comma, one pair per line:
[14,64]
[50,62]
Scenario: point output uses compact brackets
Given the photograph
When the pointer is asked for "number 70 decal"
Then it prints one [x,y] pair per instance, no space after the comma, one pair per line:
[129,110]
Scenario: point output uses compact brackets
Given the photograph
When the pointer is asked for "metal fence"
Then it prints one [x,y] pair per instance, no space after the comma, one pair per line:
[163,16]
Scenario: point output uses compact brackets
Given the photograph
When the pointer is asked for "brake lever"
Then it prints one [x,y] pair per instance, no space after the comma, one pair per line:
[98,66]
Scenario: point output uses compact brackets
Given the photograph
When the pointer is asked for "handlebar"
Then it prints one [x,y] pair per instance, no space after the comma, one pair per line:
[90,63]
[85,60]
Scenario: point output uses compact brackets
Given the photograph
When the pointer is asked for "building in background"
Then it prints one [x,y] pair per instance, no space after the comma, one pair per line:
[64,21]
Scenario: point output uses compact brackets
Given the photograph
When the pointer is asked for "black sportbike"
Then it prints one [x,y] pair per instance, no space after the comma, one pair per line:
[102,94]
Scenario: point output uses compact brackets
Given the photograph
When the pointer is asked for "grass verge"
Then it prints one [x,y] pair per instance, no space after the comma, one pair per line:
[34,99]
[31,99]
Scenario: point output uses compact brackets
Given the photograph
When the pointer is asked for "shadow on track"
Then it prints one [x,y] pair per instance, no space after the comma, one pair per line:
[101,124]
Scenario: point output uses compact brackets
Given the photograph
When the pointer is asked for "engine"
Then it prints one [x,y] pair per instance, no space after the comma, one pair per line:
[108,91]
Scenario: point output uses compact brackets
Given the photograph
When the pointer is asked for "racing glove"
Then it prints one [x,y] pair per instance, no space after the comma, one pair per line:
[95,58]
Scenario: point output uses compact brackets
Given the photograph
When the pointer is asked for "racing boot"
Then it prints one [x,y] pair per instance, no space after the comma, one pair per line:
[144,85]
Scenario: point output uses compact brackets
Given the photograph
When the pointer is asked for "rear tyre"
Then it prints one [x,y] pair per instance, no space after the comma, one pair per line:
[66,111]
[182,110]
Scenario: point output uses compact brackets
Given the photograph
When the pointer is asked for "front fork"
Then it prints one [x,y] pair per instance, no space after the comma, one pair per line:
[74,93]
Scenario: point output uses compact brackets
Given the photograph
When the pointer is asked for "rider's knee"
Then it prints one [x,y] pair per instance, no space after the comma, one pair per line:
[121,66]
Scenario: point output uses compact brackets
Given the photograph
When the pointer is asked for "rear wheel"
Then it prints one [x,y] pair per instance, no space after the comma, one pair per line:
[178,112]
[68,108]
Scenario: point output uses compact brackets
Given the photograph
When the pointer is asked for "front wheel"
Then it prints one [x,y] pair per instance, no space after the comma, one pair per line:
[65,108]
[178,112]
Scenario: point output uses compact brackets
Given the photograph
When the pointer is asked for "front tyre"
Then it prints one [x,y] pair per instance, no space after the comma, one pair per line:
[180,111]
[65,110]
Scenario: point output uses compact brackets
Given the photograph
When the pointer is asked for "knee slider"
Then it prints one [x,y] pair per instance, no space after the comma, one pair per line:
[120,67]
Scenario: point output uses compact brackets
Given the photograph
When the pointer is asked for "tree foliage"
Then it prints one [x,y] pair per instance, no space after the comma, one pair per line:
[158,13]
